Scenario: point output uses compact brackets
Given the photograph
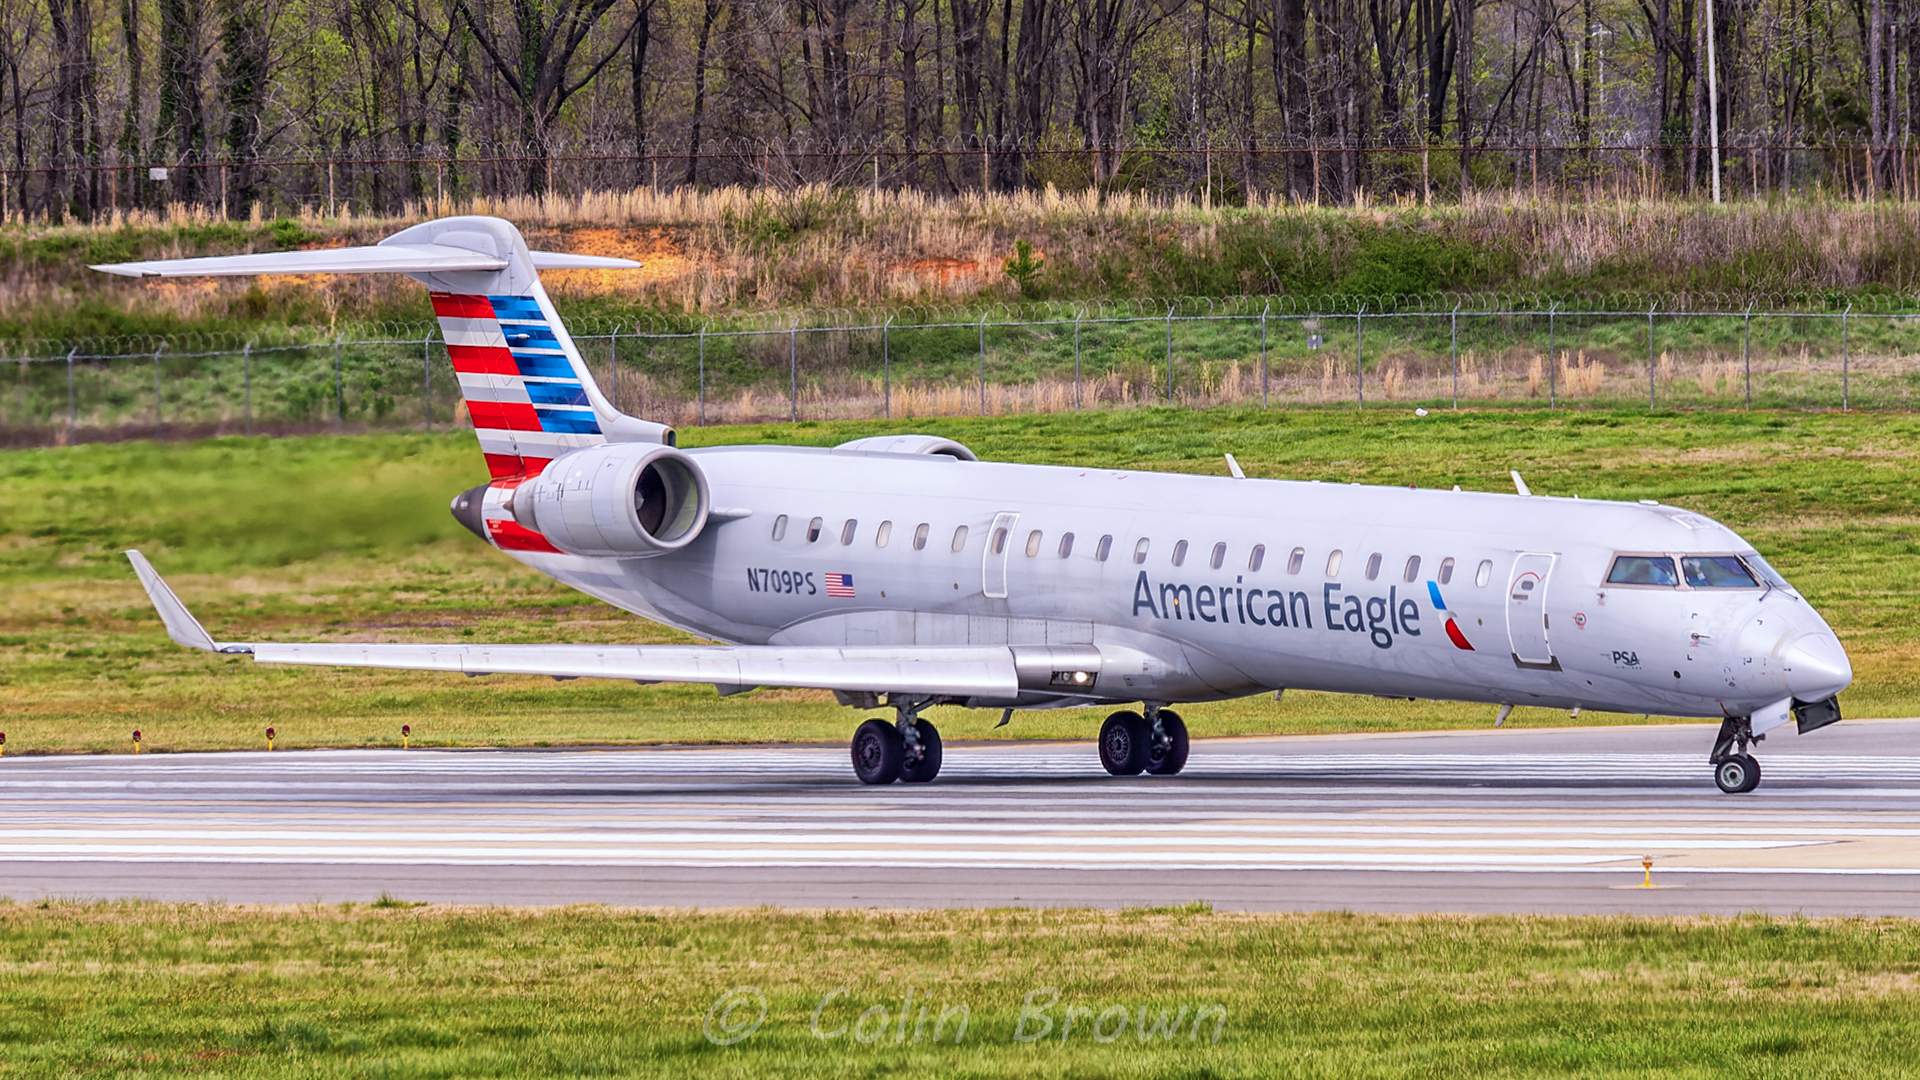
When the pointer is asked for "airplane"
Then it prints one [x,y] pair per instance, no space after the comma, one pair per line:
[902,572]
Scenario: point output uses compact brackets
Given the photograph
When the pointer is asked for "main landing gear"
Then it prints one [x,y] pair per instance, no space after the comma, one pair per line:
[1734,770]
[907,749]
[1155,743]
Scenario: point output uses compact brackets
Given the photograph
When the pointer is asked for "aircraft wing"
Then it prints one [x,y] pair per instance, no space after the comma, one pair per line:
[969,671]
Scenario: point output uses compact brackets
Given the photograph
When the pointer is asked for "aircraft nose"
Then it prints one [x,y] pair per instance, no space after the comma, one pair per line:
[1817,667]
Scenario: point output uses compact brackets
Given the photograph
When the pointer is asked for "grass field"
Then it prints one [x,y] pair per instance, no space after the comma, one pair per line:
[124,989]
[348,537]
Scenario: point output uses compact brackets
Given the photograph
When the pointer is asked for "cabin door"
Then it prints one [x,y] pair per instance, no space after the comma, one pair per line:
[1527,627]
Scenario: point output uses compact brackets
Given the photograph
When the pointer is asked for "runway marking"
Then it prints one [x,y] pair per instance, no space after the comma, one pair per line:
[738,813]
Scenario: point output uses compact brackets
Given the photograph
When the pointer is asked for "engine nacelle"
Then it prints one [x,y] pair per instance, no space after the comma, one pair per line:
[928,445]
[629,500]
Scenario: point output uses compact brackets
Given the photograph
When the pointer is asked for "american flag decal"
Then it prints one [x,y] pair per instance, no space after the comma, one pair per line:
[839,585]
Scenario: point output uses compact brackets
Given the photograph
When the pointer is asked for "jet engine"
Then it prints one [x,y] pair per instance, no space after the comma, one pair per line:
[628,500]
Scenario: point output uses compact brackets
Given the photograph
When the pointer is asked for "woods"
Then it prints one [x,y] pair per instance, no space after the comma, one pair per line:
[266,106]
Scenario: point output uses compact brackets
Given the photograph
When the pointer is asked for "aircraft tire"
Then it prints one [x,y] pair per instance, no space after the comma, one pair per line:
[1123,743]
[927,765]
[1737,775]
[877,752]
[1168,760]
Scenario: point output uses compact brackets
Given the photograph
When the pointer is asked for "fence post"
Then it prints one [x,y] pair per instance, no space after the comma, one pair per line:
[339,387]
[1454,349]
[1846,361]
[1264,381]
[246,380]
[158,418]
[1169,354]
[613,366]
[1746,352]
[983,344]
[1652,399]
[1359,358]
[73,401]
[886,348]
[793,372]
[703,375]
[1078,313]
[1553,355]
[426,380]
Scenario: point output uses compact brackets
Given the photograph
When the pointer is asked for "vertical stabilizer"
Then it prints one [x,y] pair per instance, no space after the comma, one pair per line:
[528,391]
[526,388]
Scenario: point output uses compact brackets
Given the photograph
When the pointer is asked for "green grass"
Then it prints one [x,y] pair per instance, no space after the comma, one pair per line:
[118,989]
[335,537]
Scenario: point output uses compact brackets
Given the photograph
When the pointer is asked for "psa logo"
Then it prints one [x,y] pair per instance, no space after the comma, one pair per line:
[1626,658]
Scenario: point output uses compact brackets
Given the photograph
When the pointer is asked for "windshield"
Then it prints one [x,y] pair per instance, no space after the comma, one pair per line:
[1766,572]
[1642,570]
[1717,572]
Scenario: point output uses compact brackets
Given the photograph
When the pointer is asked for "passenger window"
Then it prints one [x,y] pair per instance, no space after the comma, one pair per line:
[1642,570]
[1413,569]
[1140,551]
[813,530]
[1180,553]
[847,530]
[1219,556]
[960,538]
[1033,543]
[1000,540]
[920,537]
[1446,570]
[1104,548]
[1066,544]
[1484,574]
[780,527]
[882,534]
[1256,557]
[1296,560]
[1373,566]
[1717,572]
[1333,563]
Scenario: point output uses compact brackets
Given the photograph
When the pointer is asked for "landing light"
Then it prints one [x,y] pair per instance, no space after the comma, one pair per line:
[1073,678]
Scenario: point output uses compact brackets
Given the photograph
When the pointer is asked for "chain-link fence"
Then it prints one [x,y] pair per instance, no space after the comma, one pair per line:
[1270,352]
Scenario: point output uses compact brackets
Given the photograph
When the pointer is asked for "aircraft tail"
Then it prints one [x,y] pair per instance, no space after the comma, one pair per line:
[530,395]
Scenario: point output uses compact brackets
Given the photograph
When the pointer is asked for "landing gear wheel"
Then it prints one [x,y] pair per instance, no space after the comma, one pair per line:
[919,770]
[877,752]
[1737,775]
[1124,739]
[1167,755]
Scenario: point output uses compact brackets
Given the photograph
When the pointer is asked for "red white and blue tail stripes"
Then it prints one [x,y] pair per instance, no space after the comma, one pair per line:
[527,400]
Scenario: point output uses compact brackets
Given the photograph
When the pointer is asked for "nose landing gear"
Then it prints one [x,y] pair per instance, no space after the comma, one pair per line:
[1734,770]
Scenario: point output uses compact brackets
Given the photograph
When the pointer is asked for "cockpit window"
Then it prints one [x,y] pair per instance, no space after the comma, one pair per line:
[1716,572]
[1642,570]
[1765,571]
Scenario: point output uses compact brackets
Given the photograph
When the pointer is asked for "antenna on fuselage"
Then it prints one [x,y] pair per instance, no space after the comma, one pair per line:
[1233,468]
[1519,485]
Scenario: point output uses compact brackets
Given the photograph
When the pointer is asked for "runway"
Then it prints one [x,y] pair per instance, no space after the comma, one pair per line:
[1534,821]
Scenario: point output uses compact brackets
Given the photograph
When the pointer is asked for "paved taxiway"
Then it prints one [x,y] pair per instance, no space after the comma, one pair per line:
[1484,821]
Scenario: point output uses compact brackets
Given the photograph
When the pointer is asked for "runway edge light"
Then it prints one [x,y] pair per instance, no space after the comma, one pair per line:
[1646,871]
[3,744]
[136,740]
[269,740]
[406,736]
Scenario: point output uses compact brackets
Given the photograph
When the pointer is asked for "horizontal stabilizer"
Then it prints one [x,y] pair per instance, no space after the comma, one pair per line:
[377,259]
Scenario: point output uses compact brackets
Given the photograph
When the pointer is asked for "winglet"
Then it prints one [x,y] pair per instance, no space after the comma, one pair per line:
[182,627]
